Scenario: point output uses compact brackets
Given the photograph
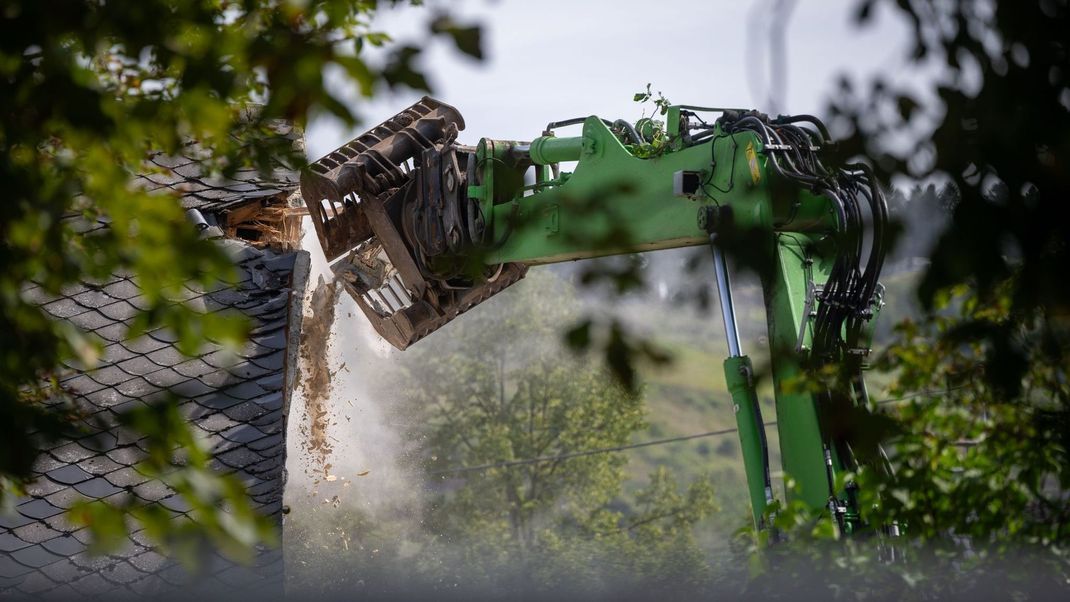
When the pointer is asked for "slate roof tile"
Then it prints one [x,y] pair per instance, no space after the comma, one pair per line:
[90,320]
[218,379]
[127,455]
[64,545]
[136,387]
[166,357]
[268,443]
[127,406]
[93,562]
[43,487]
[10,542]
[149,561]
[270,422]
[121,572]
[107,398]
[138,365]
[148,587]
[65,498]
[240,457]
[64,308]
[38,508]
[35,556]
[36,532]
[245,390]
[244,412]
[271,401]
[97,488]
[114,332]
[62,592]
[116,353]
[126,477]
[141,302]
[274,361]
[221,358]
[152,491]
[45,462]
[141,538]
[271,382]
[91,584]
[61,523]
[165,378]
[246,370]
[71,453]
[109,375]
[122,289]
[99,442]
[120,311]
[274,340]
[164,335]
[63,571]
[163,160]
[36,583]
[92,298]
[243,433]
[10,568]
[143,344]
[215,423]
[68,475]
[36,294]
[176,503]
[81,384]
[175,575]
[193,368]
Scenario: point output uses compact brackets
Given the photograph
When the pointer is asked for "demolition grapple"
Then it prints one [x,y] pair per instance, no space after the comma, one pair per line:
[391,201]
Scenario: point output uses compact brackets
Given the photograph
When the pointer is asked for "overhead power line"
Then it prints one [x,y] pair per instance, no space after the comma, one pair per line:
[589,452]
[607,450]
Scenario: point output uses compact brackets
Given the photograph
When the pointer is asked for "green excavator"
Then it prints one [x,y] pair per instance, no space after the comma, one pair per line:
[421,228]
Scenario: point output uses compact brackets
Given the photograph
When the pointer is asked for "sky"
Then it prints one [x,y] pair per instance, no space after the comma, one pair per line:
[555,59]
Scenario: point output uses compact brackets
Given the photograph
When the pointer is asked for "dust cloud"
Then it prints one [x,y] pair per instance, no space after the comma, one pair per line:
[346,457]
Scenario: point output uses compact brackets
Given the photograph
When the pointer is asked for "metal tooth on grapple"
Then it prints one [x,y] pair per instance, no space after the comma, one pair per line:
[355,196]
[370,164]
[403,320]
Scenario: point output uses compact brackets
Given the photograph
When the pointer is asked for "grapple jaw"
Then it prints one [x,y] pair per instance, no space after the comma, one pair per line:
[393,202]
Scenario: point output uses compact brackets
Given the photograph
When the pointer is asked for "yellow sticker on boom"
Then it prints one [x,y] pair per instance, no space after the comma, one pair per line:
[752,161]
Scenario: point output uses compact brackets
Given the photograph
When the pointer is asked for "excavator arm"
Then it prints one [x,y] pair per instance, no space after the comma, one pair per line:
[421,228]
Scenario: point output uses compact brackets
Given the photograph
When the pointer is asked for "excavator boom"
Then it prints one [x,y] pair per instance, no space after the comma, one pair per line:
[422,228]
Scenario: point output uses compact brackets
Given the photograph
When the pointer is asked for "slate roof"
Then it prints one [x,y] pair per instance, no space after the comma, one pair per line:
[237,402]
[183,174]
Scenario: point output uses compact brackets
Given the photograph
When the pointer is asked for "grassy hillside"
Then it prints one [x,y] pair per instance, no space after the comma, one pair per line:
[689,396]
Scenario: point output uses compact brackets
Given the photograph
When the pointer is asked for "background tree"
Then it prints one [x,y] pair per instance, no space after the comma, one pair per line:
[89,89]
[502,389]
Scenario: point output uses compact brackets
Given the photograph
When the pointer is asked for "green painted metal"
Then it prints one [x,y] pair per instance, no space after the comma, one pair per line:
[547,150]
[739,376]
[616,202]
[786,289]
[619,203]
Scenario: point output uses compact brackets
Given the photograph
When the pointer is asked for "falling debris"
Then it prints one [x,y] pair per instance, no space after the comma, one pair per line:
[316,374]
[330,478]
[363,474]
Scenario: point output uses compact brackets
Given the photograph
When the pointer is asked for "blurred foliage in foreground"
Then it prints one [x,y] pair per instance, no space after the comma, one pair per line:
[89,88]
[981,480]
[981,474]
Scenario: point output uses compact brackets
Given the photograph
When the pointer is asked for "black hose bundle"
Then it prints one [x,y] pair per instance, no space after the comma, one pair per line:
[846,301]
[847,298]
